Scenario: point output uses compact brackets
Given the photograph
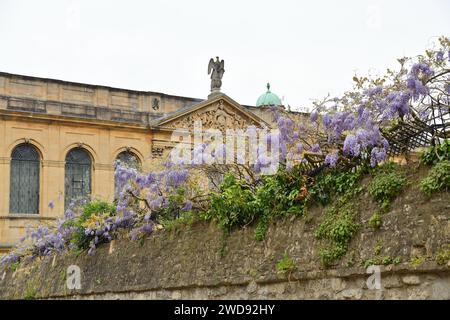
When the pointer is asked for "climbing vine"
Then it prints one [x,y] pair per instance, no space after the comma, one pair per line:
[321,160]
[340,219]
[438,178]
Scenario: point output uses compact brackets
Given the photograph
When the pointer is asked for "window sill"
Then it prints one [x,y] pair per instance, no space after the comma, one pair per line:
[31,216]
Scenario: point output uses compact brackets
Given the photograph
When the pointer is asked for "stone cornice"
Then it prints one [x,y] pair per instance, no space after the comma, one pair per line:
[24,216]
[95,86]
[102,166]
[53,163]
[93,115]
[61,164]
[45,118]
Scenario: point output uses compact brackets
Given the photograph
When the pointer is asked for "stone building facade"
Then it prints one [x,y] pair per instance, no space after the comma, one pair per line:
[60,139]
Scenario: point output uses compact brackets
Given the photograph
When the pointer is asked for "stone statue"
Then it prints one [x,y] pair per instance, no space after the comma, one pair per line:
[216,69]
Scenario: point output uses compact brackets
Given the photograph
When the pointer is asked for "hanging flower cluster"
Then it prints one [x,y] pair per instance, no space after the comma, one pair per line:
[349,129]
[339,131]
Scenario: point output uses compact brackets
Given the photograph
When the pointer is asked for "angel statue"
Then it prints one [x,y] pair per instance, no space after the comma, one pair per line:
[216,69]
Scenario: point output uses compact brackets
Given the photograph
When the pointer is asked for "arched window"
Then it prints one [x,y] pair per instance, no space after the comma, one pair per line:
[127,159]
[24,180]
[77,175]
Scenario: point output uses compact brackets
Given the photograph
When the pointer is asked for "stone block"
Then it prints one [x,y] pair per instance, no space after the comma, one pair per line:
[353,294]
[440,290]
[411,280]
[388,282]
[338,284]
[252,287]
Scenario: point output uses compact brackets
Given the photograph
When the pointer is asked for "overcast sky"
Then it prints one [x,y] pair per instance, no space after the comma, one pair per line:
[305,49]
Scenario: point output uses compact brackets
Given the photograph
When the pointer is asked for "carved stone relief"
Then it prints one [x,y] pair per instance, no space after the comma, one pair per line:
[218,117]
[158,150]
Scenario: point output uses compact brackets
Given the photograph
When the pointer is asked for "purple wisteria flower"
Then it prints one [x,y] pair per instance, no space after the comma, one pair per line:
[8,259]
[351,146]
[421,68]
[397,103]
[315,148]
[416,77]
[147,228]
[187,205]
[377,155]
[314,116]
[374,91]
[331,159]
[327,120]
[440,55]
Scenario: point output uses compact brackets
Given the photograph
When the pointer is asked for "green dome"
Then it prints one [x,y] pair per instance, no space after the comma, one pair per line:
[268,99]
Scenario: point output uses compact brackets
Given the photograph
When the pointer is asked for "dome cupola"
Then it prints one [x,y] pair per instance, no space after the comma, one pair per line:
[268,99]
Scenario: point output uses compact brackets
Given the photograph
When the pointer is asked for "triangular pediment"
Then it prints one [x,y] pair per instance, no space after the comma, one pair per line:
[220,112]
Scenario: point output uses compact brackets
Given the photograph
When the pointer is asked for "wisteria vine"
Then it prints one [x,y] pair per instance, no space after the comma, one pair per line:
[342,131]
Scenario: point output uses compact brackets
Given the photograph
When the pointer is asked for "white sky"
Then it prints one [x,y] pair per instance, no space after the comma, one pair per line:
[305,49]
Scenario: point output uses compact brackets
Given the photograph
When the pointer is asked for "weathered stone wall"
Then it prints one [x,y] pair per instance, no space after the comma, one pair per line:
[397,283]
[44,91]
[197,262]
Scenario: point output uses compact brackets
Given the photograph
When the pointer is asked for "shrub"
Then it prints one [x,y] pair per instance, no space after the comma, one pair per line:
[185,219]
[338,228]
[237,205]
[282,194]
[443,256]
[417,261]
[285,264]
[233,205]
[93,215]
[436,154]
[331,183]
[173,208]
[385,260]
[375,221]
[329,255]
[386,185]
[438,178]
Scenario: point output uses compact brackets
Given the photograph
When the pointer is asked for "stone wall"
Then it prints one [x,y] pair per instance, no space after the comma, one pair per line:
[398,283]
[52,93]
[198,262]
